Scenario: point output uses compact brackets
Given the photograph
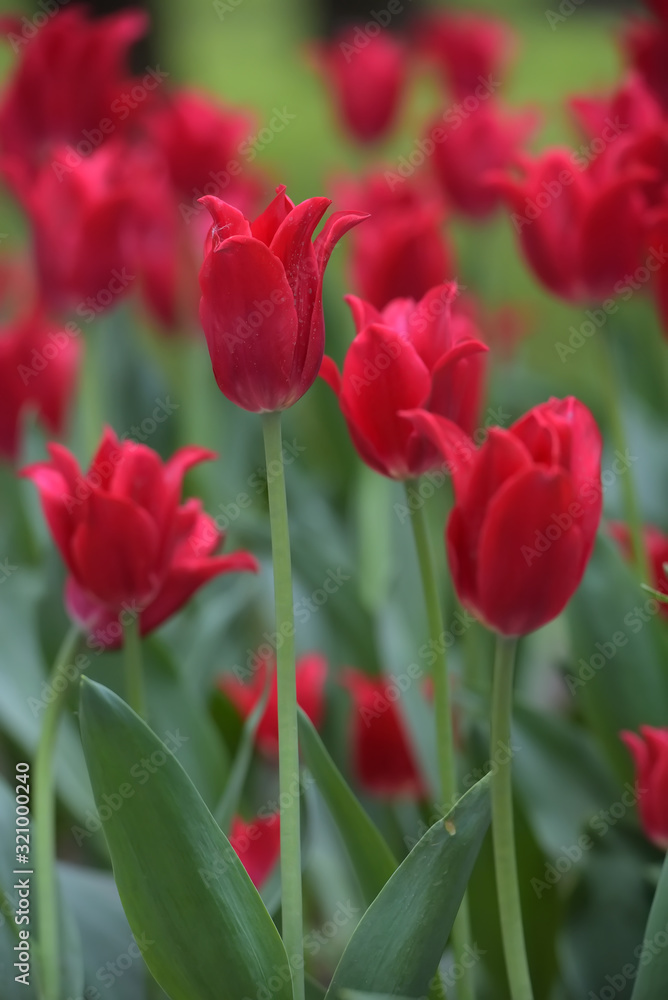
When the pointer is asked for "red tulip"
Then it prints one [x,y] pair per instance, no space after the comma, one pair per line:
[400,251]
[656,544]
[258,845]
[467,148]
[412,355]
[646,44]
[467,48]
[310,677]
[382,758]
[367,75]
[581,225]
[632,106]
[527,506]
[129,546]
[650,754]
[39,363]
[70,87]
[261,306]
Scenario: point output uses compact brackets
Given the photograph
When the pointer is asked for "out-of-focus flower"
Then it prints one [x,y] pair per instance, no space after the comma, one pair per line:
[581,225]
[382,759]
[71,87]
[412,355]
[400,251]
[646,45]
[367,77]
[528,503]
[39,362]
[650,755]
[632,107]
[656,543]
[261,306]
[130,546]
[311,676]
[467,48]
[258,845]
[467,148]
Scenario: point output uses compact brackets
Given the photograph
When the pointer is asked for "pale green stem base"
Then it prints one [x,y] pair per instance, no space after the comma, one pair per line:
[503,829]
[288,750]
[134,672]
[44,825]
[461,931]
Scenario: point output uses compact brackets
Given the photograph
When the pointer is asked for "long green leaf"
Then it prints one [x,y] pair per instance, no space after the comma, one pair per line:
[370,855]
[653,958]
[397,946]
[181,884]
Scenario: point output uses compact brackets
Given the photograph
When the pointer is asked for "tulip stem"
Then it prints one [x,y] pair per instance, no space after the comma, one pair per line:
[461,931]
[134,673]
[44,823]
[503,833]
[288,749]
[613,396]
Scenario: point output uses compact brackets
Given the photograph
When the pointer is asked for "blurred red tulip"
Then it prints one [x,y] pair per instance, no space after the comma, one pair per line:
[646,44]
[656,543]
[411,355]
[467,148]
[367,76]
[528,503]
[468,49]
[311,676]
[383,761]
[71,87]
[258,845]
[400,251]
[261,306]
[650,755]
[39,362]
[580,223]
[130,547]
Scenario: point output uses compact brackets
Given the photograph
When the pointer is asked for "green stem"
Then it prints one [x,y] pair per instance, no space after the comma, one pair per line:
[44,822]
[288,751]
[613,399]
[503,834]
[461,931]
[134,675]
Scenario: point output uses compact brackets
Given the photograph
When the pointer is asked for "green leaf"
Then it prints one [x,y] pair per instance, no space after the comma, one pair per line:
[180,882]
[398,944]
[229,802]
[370,855]
[653,959]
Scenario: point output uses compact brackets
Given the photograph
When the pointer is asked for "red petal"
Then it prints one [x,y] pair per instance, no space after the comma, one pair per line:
[329,372]
[244,283]
[265,226]
[521,587]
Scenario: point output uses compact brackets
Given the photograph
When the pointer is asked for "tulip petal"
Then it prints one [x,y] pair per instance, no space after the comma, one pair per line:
[429,326]
[330,373]
[240,281]
[456,447]
[363,312]
[523,581]
[114,550]
[382,376]
[228,221]
[265,226]
[61,505]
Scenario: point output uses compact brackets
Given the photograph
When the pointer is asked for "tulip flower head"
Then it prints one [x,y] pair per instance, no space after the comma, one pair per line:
[129,545]
[311,676]
[656,544]
[527,507]
[261,306]
[412,354]
[650,755]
